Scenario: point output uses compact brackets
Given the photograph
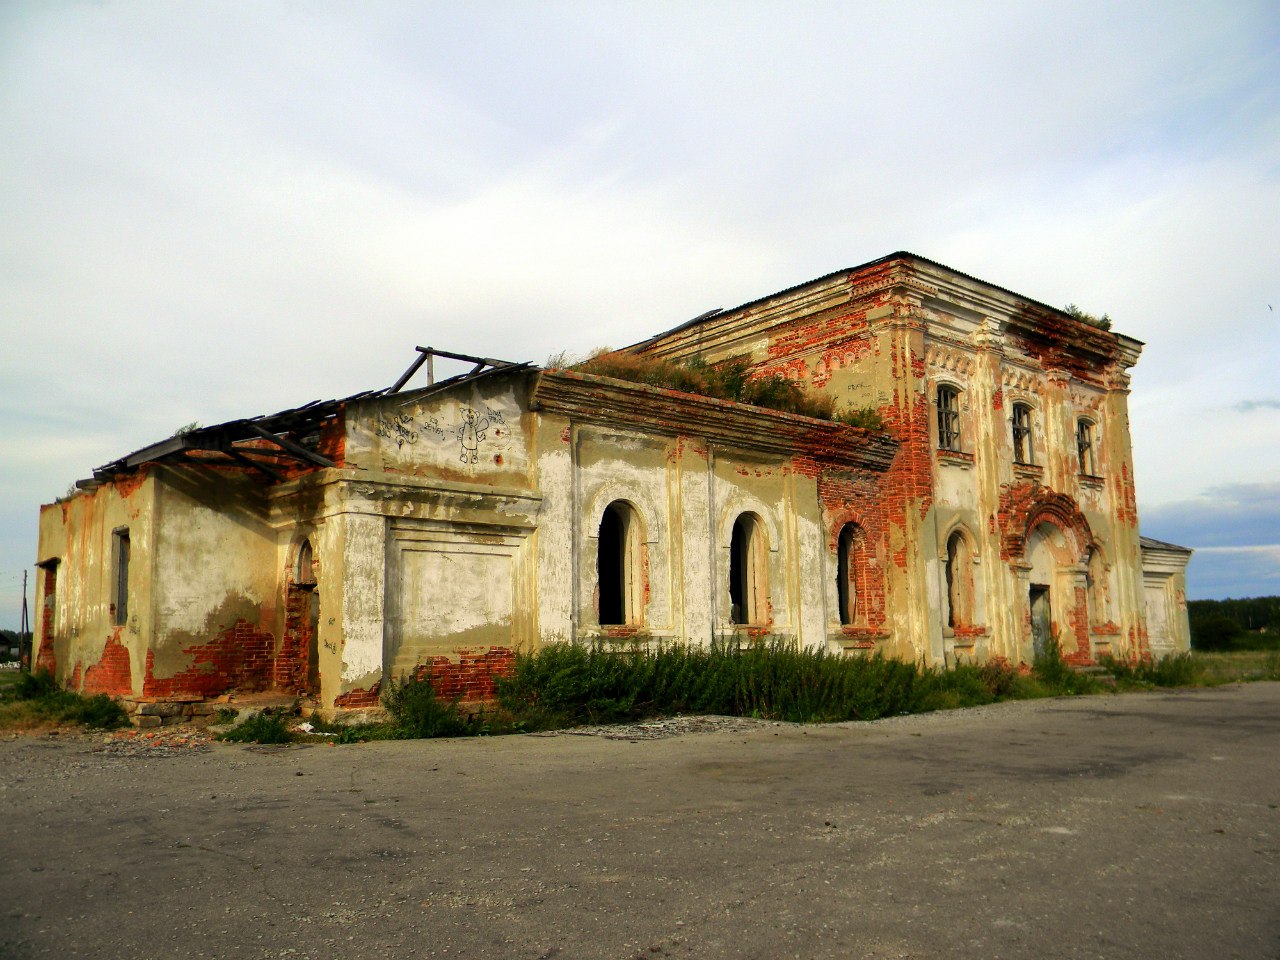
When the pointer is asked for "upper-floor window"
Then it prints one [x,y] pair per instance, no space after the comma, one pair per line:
[1086,447]
[120,581]
[948,418]
[1022,450]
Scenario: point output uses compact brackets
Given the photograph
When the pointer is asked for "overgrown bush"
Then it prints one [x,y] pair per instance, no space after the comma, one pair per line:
[417,712]
[264,727]
[1051,670]
[37,699]
[726,380]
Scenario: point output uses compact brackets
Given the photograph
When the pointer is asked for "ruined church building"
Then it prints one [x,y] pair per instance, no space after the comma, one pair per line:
[329,549]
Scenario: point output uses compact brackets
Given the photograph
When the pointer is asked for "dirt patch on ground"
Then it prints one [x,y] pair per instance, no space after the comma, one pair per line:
[1128,826]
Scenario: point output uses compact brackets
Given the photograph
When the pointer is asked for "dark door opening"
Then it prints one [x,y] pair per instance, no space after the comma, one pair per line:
[610,568]
[313,643]
[1040,619]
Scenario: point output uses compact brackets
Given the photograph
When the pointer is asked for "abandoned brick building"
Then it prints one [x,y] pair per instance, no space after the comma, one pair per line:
[326,549]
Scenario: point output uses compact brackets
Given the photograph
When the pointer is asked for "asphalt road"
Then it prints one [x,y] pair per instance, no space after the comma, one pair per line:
[1144,825]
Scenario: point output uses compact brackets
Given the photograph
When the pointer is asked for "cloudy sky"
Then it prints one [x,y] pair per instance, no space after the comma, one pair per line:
[212,210]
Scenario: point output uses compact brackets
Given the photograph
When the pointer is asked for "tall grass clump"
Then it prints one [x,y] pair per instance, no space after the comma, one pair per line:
[1056,676]
[36,701]
[1176,670]
[726,380]
[568,684]
[417,713]
[264,727]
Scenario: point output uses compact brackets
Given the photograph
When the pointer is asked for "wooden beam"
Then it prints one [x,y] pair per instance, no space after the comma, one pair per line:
[298,451]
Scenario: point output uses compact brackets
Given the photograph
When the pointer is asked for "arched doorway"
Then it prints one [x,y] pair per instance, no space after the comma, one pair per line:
[1055,592]
[297,667]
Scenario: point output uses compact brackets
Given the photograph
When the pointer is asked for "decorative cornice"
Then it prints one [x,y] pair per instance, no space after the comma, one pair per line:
[603,400]
[950,359]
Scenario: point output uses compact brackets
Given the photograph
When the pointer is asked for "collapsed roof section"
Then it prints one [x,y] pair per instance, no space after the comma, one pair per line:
[277,444]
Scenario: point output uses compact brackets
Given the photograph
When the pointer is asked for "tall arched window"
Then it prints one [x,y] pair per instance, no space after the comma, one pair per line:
[748,584]
[1022,437]
[1095,579]
[959,581]
[850,570]
[618,566]
[1086,447]
[948,417]
[306,573]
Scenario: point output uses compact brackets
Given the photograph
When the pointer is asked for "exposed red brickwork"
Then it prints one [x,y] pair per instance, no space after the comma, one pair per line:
[1081,655]
[1126,498]
[854,497]
[333,438]
[357,699]
[471,676]
[239,659]
[1024,505]
[289,671]
[1061,343]
[113,672]
[130,483]
[46,656]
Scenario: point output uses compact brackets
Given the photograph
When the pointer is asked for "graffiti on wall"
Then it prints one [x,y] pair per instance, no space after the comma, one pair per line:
[471,433]
[400,429]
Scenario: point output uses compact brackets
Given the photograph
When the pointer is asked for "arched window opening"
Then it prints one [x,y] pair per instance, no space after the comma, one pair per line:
[748,594]
[849,569]
[1095,579]
[1022,440]
[618,567]
[948,418]
[959,581]
[120,580]
[1086,447]
[305,574]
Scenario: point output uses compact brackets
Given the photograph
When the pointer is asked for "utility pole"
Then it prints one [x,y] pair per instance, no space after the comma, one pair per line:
[25,640]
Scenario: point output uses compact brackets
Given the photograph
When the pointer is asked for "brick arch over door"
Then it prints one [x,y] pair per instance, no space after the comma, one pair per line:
[1023,507]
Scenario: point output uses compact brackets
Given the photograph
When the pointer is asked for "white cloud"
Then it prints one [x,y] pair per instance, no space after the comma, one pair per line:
[213,210]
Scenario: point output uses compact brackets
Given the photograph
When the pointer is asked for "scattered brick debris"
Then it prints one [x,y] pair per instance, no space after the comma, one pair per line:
[156,744]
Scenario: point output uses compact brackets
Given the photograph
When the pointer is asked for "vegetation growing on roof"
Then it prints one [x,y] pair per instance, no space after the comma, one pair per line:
[727,380]
[1101,322]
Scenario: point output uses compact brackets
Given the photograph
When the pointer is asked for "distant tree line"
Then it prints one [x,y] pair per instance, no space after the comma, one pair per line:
[1252,623]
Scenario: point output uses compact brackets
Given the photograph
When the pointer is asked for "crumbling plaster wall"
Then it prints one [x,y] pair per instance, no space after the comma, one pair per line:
[76,636]
[1164,573]
[886,338]
[687,495]
[435,519]
[217,583]
[448,564]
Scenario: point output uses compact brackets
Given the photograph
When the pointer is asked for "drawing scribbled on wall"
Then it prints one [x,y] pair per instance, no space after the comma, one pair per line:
[471,433]
[400,429]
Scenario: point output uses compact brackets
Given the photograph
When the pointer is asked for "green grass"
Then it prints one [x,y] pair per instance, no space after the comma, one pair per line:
[35,702]
[725,380]
[565,685]
[264,727]
[1237,667]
